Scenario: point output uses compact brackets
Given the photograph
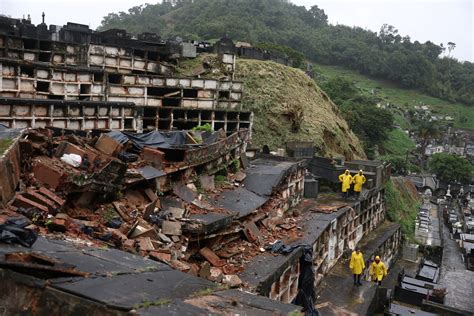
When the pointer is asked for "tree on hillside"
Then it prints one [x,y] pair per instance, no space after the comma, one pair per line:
[339,89]
[451,47]
[370,123]
[426,131]
[450,168]
[297,57]
[319,16]
[389,34]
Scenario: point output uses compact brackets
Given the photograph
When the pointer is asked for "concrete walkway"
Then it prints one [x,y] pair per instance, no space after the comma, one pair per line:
[455,277]
[337,293]
[338,290]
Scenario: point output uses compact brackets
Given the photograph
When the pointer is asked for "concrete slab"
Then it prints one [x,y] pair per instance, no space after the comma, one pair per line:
[338,289]
[377,237]
[126,259]
[256,305]
[125,291]
[172,308]
[86,263]
[265,174]
[121,282]
[240,201]
[207,223]
[266,268]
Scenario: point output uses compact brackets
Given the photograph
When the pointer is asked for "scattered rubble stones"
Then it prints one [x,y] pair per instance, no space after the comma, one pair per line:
[232,280]
[240,176]
[108,203]
[171,228]
[177,213]
[216,275]
[205,270]
[207,182]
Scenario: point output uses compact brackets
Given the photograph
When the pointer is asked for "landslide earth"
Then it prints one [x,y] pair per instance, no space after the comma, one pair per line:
[289,106]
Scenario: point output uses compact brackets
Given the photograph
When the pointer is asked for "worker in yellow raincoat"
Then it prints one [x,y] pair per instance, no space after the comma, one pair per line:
[346,180]
[378,271]
[357,265]
[358,180]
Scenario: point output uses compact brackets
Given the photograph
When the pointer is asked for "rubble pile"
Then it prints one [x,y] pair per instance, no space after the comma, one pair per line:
[157,195]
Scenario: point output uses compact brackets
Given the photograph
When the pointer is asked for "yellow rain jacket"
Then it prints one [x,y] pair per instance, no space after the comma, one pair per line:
[358,180]
[357,264]
[378,271]
[346,180]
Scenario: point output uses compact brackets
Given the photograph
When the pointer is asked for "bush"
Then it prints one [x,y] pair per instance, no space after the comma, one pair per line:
[401,209]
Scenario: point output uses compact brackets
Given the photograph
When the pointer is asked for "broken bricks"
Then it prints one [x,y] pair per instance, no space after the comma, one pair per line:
[155,156]
[145,244]
[210,256]
[181,266]
[129,245]
[160,256]
[21,201]
[107,145]
[252,232]
[49,172]
[162,238]
[50,195]
[57,225]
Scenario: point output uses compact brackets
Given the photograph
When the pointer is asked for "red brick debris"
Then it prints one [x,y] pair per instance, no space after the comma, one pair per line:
[105,201]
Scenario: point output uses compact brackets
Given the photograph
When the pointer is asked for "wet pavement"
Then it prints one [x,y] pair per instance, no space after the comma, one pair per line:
[338,289]
[337,294]
[454,276]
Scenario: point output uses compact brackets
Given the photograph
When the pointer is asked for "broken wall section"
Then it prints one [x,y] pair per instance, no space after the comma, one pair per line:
[10,164]
[75,63]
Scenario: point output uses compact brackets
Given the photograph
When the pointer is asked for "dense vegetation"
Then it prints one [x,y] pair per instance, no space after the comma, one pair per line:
[451,168]
[403,203]
[370,123]
[385,54]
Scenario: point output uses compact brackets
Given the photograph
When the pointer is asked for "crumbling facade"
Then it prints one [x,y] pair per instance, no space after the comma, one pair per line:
[114,82]
[10,164]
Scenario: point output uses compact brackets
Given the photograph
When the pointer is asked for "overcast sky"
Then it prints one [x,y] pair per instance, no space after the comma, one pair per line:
[440,21]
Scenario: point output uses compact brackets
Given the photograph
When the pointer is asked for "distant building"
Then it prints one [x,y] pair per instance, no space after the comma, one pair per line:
[469,152]
[459,151]
[431,150]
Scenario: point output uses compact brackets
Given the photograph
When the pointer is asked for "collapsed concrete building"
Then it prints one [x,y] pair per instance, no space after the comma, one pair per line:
[102,85]
[107,145]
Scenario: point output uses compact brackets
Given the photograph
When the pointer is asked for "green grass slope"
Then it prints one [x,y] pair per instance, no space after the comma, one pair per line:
[282,97]
[403,202]
[404,98]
